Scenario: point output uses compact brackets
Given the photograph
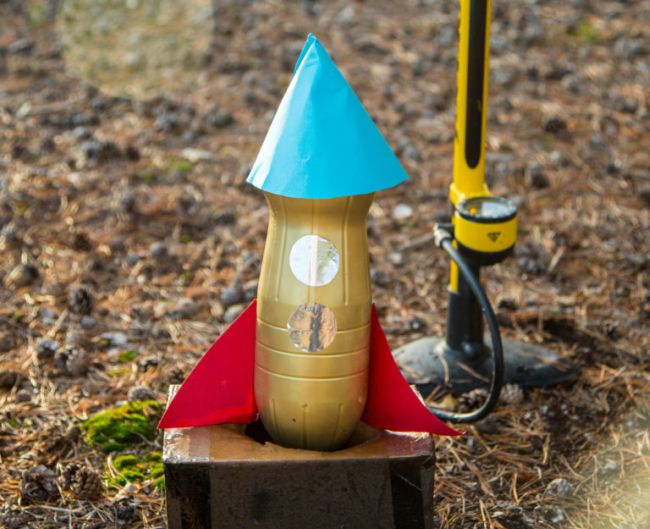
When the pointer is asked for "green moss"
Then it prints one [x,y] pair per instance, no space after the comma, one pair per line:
[127,356]
[134,469]
[119,428]
[186,278]
[148,178]
[21,206]
[183,166]
[587,32]
[37,14]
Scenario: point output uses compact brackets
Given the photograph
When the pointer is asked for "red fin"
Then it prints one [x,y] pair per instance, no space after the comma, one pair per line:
[392,404]
[220,387]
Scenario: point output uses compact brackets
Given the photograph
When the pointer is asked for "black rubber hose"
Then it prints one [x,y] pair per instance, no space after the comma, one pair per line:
[444,239]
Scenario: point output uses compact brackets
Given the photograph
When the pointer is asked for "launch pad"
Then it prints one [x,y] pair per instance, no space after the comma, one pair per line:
[232,476]
[222,477]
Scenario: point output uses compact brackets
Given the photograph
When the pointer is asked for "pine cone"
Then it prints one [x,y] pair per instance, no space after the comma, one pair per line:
[52,447]
[471,400]
[82,481]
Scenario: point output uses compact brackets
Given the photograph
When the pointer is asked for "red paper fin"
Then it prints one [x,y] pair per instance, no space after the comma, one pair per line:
[220,387]
[392,404]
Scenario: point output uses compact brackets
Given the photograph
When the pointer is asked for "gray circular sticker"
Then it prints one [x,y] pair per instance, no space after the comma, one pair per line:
[314,260]
[312,327]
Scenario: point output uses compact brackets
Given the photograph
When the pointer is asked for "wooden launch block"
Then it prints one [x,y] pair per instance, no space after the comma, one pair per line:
[225,477]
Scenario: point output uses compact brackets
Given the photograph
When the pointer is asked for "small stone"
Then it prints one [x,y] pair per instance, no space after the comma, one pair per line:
[23,395]
[137,393]
[409,151]
[554,125]
[611,466]
[629,48]
[416,324]
[117,245]
[188,204]
[250,290]
[116,339]
[402,212]
[184,308]
[574,84]
[80,301]
[488,426]
[46,348]
[148,362]
[551,513]
[232,294]
[504,76]
[21,47]
[379,277]
[512,394]
[10,237]
[88,323]
[22,275]
[396,258]
[158,251]
[196,155]
[232,313]
[627,105]
[167,122]
[82,134]
[559,487]
[220,120]
[536,177]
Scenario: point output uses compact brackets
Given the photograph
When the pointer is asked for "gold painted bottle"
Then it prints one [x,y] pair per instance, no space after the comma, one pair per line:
[313,321]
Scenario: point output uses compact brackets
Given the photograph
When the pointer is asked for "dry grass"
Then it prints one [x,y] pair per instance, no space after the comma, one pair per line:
[91,219]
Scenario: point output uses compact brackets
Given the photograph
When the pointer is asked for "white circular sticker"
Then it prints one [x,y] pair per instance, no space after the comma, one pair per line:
[314,260]
[312,327]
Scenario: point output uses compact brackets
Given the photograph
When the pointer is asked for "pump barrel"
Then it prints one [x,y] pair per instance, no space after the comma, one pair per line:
[471,100]
[313,321]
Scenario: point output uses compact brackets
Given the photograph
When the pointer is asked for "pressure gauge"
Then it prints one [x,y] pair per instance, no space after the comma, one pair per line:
[485,228]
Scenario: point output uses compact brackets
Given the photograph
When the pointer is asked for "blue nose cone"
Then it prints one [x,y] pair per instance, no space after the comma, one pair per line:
[322,143]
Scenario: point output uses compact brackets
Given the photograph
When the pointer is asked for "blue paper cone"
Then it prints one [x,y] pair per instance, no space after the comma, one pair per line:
[322,143]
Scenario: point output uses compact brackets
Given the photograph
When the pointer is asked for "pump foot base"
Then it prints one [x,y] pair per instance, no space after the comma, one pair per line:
[430,365]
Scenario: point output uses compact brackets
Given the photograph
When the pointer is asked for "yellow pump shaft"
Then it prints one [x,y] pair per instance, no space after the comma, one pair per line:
[313,321]
[471,107]
[471,100]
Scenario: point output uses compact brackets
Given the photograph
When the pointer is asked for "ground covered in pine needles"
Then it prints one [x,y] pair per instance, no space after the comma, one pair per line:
[130,240]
